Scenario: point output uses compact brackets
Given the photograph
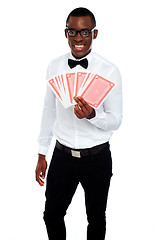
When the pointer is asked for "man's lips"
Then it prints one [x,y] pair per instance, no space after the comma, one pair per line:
[79,47]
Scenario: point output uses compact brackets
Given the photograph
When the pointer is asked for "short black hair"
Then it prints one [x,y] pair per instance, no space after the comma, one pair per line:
[79,12]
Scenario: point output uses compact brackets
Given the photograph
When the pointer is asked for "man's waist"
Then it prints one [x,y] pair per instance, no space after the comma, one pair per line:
[82,152]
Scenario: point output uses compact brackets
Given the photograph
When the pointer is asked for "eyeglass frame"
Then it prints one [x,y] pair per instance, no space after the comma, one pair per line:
[89,31]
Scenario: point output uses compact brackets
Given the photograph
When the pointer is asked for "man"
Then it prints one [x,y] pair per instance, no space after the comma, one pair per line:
[82,153]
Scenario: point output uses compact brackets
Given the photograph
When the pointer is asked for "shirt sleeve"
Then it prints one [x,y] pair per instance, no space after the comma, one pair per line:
[47,121]
[109,117]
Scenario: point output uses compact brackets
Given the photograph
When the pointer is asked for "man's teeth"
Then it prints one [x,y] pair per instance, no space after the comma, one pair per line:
[79,46]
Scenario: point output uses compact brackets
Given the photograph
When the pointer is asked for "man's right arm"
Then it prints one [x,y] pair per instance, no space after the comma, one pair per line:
[46,134]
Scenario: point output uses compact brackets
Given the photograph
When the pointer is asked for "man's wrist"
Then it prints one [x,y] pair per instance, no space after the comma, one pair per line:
[92,114]
[41,156]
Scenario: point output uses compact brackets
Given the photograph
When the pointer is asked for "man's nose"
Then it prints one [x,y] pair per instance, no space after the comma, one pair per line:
[78,37]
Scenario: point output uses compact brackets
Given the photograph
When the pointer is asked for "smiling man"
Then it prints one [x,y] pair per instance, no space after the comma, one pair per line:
[82,151]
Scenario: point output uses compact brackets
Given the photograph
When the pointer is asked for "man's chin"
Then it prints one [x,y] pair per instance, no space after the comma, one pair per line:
[80,54]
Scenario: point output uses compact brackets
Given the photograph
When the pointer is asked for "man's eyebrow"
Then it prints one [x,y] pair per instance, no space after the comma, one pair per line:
[70,28]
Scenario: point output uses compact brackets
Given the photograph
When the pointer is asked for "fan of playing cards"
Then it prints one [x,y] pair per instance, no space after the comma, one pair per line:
[92,87]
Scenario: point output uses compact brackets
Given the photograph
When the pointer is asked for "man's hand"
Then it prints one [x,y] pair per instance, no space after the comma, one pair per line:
[83,109]
[41,169]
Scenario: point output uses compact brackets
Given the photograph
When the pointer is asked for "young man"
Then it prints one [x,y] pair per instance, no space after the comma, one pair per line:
[82,153]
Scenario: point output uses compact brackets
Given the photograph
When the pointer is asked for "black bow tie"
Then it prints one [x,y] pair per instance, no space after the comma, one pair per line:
[73,63]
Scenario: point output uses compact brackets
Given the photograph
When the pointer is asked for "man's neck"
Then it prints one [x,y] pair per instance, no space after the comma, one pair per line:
[78,59]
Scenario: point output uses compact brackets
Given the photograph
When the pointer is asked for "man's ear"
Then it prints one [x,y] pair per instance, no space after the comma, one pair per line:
[65,33]
[95,34]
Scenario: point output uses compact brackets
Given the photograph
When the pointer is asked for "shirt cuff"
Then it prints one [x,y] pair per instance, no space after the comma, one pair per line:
[43,150]
[98,115]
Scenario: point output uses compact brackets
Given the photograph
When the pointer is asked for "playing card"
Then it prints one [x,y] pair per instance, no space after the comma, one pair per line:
[70,85]
[96,90]
[59,85]
[52,83]
[85,82]
[64,91]
[80,77]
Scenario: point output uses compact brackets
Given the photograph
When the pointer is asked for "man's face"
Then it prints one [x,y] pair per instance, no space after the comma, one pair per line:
[80,46]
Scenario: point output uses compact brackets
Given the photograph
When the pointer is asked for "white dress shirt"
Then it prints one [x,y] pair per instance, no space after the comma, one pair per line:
[63,123]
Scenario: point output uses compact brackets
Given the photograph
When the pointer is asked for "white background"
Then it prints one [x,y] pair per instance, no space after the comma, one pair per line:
[32,34]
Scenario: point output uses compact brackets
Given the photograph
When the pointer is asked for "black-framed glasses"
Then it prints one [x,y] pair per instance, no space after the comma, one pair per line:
[84,32]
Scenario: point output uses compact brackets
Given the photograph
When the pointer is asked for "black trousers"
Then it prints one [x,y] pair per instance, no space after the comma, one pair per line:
[64,175]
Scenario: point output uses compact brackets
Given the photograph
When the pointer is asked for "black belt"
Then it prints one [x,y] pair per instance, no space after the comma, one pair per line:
[82,152]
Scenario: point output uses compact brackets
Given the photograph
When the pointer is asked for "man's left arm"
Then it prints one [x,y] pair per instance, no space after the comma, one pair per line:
[111,116]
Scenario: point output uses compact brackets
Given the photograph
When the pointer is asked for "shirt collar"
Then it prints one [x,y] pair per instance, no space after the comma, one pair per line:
[89,56]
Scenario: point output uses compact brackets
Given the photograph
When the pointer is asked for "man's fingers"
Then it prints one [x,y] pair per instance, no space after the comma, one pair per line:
[84,104]
[81,103]
[39,178]
[84,107]
[79,113]
[41,182]
[43,173]
[38,172]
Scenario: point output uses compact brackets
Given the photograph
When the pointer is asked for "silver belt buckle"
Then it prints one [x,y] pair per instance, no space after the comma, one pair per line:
[76,154]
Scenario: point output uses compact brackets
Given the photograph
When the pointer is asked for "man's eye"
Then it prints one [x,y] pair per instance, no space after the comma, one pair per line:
[85,32]
[71,32]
